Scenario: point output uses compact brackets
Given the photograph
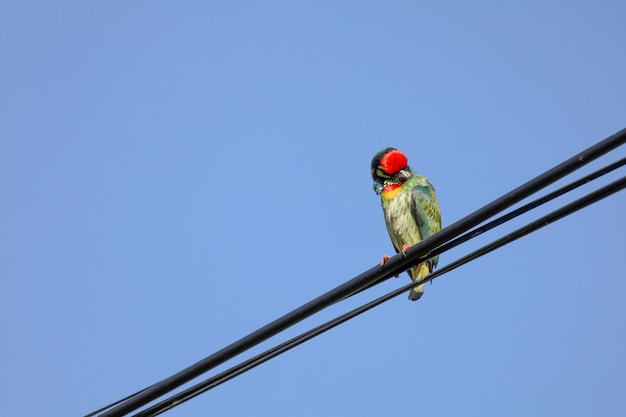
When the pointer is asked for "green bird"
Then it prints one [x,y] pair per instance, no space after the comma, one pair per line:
[410,207]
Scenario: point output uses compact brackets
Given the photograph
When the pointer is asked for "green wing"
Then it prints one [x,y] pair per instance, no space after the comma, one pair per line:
[426,210]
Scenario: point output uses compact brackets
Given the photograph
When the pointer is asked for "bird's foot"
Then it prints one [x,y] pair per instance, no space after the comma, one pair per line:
[405,248]
[384,261]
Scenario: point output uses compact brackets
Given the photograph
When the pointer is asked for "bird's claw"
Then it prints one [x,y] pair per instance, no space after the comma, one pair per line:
[384,261]
[404,249]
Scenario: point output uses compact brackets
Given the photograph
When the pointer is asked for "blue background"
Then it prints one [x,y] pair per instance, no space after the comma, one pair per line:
[176,175]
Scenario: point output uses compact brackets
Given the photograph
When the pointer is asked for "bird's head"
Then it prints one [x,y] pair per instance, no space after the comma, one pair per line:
[389,166]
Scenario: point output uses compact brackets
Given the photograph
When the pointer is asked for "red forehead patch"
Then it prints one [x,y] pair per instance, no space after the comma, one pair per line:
[393,162]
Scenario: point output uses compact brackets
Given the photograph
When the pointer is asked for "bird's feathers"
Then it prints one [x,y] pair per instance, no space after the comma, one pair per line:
[410,207]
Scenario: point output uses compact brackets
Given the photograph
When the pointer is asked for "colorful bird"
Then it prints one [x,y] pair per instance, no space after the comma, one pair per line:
[410,207]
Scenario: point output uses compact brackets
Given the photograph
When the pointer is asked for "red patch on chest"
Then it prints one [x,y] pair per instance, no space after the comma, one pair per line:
[393,162]
[391,187]
[391,191]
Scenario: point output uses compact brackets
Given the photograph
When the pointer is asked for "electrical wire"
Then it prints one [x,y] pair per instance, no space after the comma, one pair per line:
[251,363]
[106,407]
[394,266]
[462,239]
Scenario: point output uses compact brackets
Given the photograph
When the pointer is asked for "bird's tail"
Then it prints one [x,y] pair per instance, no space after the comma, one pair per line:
[417,274]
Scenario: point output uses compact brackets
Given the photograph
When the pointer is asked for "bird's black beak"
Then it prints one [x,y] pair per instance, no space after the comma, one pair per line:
[402,175]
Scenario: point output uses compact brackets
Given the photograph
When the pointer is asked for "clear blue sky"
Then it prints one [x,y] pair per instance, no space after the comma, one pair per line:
[174,176]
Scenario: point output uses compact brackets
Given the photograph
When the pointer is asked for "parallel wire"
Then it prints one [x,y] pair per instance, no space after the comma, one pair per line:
[257,360]
[107,407]
[462,239]
[395,265]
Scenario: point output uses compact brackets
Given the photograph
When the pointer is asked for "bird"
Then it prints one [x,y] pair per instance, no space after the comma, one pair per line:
[410,208]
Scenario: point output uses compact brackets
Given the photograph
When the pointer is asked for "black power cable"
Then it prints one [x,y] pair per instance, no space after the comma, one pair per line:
[253,362]
[494,223]
[395,265]
[106,407]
